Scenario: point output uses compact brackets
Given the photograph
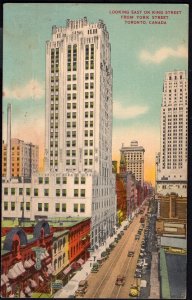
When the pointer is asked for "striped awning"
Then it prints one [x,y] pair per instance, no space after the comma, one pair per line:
[27,290]
[80,261]
[12,274]
[33,283]
[41,278]
[4,279]
[67,270]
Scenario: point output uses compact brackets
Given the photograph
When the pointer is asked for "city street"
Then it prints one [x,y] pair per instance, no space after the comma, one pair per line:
[102,284]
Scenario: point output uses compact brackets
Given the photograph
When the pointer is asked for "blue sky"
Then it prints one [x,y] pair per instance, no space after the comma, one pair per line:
[141,54]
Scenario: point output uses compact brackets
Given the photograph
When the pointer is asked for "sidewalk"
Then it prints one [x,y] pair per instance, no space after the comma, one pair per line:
[154,278]
[72,285]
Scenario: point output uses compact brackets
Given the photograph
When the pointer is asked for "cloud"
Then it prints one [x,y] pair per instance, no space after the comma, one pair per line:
[162,54]
[32,89]
[123,112]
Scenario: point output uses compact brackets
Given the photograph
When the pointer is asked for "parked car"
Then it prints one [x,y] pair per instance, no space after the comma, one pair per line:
[134,291]
[131,253]
[122,232]
[82,288]
[137,275]
[120,280]
[137,237]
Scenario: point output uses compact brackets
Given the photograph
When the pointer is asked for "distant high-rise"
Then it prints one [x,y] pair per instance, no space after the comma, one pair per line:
[24,159]
[134,159]
[172,165]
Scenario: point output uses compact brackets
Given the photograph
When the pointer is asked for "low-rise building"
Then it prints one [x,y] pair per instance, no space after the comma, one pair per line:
[26,262]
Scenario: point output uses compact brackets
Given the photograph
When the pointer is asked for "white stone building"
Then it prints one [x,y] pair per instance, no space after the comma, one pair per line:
[172,162]
[134,158]
[78,177]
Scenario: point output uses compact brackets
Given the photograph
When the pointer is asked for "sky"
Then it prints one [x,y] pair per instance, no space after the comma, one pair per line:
[140,56]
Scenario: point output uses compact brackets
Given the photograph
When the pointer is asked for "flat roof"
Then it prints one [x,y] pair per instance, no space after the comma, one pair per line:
[65,222]
[173,271]
[59,233]
[177,274]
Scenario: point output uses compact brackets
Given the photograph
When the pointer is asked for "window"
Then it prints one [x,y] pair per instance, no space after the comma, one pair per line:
[28,191]
[27,205]
[64,192]
[86,76]
[12,206]
[86,104]
[5,205]
[58,180]
[92,76]
[5,191]
[12,191]
[35,192]
[46,180]
[39,206]
[82,207]
[82,180]
[69,77]
[20,191]
[76,193]
[40,180]
[57,192]
[63,207]
[76,180]
[64,180]
[46,206]
[73,133]
[75,207]
[57,207]
[46,192]
[82,192]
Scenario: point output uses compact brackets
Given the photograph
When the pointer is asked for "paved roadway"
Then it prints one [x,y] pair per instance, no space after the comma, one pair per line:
[102,284]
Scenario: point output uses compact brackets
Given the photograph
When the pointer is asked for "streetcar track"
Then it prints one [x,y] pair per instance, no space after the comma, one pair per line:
[111,267]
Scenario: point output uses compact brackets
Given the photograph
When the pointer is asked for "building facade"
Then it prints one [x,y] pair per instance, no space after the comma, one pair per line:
[134,158]
[24,159]
[78,134]
[172,162]
[20,275]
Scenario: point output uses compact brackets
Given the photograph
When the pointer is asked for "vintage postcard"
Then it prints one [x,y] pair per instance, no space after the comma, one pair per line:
[94,151]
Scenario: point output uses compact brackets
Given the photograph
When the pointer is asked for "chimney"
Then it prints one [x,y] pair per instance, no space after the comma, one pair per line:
[9,108]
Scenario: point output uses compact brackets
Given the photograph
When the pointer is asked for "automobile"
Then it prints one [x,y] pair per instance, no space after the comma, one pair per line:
[125,227]
[120,280]
[131,253]
[137,237]
[122,232]
[137,275]
[134,291]
[82,288]
[141,255]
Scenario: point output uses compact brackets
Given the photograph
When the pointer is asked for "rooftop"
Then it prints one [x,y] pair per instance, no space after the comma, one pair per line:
[59,233]
[173,275]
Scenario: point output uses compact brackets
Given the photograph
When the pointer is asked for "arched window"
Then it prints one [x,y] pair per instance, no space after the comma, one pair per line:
[63,241]
[55,264]
[55,248]
[15,247]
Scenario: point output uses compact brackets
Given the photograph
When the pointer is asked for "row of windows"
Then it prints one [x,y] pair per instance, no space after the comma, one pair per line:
[58,192]
[59,207]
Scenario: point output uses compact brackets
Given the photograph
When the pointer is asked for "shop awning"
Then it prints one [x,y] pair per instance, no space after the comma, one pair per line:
[80,261]
[46,253]
[22,295]
[67,270]
[31,262]
[4,279]
[27,264]
[43,256]
[8,289]
[41,278]
[12,296]
[27,290]
[33,283]
[12,274]
[20,266]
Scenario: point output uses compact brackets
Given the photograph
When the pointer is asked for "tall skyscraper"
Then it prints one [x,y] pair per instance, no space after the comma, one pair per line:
[79,112]
[172,164]
[134,159]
